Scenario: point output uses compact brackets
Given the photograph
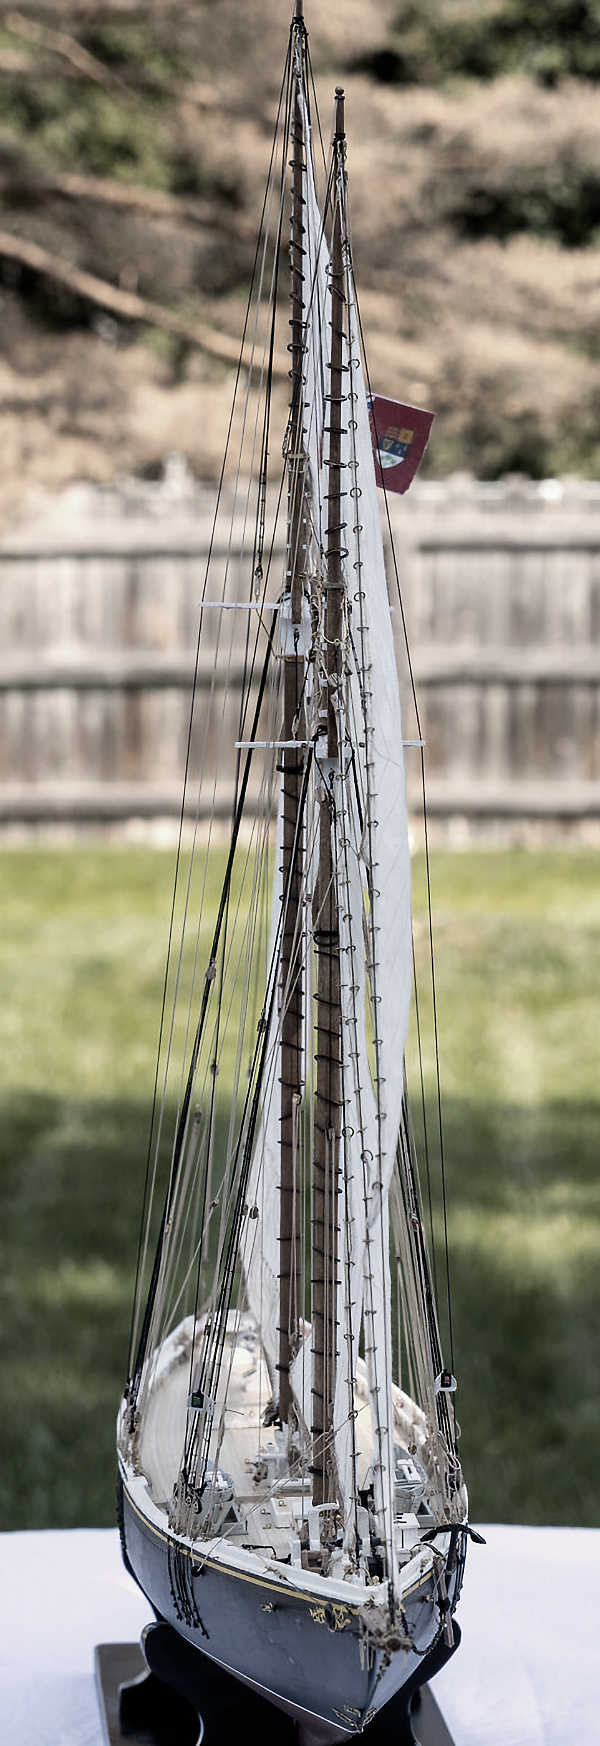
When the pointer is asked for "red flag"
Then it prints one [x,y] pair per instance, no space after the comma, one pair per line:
[400,435]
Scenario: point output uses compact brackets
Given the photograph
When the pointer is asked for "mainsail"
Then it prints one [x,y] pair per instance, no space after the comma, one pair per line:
[373,840]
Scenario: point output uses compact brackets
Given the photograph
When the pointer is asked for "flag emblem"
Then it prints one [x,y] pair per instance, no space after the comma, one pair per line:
[399,435]
[393,446]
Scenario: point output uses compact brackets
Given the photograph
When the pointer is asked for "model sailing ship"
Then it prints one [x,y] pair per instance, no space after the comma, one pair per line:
[289,1507]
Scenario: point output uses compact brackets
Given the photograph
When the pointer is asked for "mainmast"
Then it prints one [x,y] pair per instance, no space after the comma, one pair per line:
[292,767]
[329,1090]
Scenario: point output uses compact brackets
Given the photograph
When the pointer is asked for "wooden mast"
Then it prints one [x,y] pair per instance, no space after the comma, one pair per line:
[292,768]
[328,1101]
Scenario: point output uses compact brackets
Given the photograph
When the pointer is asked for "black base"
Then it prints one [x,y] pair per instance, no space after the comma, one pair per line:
[169,1694]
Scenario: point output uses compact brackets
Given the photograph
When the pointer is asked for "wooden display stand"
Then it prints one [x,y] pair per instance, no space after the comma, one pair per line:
[167,1693]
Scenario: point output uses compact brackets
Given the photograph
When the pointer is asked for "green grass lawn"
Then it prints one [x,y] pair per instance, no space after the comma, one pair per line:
[517,936]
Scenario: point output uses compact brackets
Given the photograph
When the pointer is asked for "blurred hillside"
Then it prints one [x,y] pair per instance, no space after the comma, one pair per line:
[133,146]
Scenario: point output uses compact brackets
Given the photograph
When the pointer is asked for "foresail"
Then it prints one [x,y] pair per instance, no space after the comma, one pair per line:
[260,1252]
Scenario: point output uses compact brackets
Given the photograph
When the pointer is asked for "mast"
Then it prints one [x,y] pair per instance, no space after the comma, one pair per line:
[292,768]
[328,1102]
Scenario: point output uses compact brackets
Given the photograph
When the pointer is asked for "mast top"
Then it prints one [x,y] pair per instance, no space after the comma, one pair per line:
[339,112]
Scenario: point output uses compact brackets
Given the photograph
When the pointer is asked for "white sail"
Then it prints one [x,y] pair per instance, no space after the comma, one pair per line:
[260,1252]
[373,1092]
[374,672]
[390,939]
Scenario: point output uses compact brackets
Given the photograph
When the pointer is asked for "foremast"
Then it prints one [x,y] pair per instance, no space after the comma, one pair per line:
[329,1095]
[329,1071]
[293,620]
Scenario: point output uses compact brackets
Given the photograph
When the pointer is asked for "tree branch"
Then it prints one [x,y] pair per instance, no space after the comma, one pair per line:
[60,43]
[127,305]
[109,192]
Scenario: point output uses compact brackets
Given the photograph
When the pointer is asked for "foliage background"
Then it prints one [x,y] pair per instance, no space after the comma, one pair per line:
[133,144]
[82,960]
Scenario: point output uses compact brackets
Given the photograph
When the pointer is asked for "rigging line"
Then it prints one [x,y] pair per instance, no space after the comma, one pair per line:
[192,1166]
[248,936]
[261,501]
[263,218]
[283,478]
[181,1128]
[323,215]
[142,1248]
[361,1123]
[438,1083]
[246,950]
[200,912]
[248,678]
[211,1364]
[430,1301]
[178,973]
[260,384]
[354,735]
[267,1089]
[313,346]
[410,1198]
[224,584]
[298,481]
[420,1050]
[211,1118]
[426,840]
[261,980]
[348,1234]
[268,1046]
[305,503]
[413,1328]
[270,629]
[424,1117]
[258,536]
[258,549]
[319,362]
[248,859]
[206,1359]
[327,206]
[195,961]
[244,419]
[316,106]
[259,525]
[175,1227]
[387,1502]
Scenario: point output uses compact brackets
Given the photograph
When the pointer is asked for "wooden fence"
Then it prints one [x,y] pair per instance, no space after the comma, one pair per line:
[501,594]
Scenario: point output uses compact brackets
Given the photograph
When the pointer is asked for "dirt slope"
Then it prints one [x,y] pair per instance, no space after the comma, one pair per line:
[133,146]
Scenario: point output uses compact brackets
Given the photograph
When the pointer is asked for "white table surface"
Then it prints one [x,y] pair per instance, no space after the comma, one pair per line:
[527,1672]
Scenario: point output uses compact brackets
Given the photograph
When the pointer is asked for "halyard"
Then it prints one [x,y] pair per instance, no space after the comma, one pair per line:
[517,936]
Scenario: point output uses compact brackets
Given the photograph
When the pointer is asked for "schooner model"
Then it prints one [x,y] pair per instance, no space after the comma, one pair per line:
[291,1499]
